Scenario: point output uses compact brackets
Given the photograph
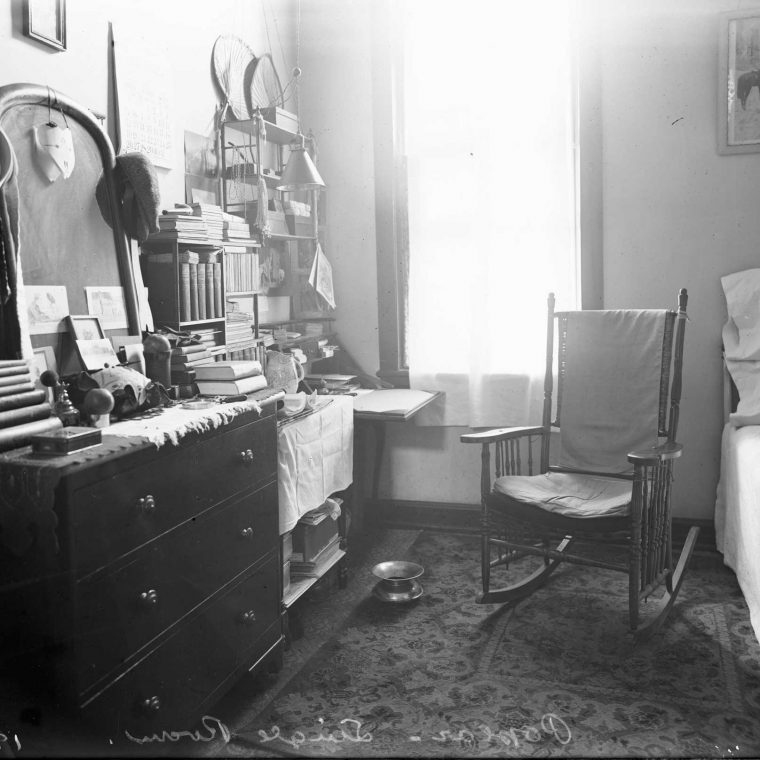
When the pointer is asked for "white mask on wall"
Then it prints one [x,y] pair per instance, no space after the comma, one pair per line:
[55,150]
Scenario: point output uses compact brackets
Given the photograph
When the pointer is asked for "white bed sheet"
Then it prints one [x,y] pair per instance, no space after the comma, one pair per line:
[737,511]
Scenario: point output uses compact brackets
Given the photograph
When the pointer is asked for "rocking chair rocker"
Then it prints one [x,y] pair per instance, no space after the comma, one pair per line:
[618,395]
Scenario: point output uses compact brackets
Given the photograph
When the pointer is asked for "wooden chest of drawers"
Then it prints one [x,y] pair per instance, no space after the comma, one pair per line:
[167,583]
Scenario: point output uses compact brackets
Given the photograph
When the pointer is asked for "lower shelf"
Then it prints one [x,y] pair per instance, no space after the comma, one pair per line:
[302,585]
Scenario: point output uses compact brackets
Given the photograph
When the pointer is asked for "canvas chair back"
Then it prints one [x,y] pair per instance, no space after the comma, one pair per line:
[613,386]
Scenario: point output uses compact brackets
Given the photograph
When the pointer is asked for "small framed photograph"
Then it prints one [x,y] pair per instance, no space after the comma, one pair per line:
[97,353]
[45,21]
[43,359]
[85,327]
[739,83]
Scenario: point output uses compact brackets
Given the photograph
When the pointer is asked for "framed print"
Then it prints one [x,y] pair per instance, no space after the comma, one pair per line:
[108,304]
[96,354]
[85,327]
[739,85]
[45,21]
[47,307]
[43,359]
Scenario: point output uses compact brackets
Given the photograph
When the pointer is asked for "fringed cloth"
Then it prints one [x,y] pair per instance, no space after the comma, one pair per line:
[27,492]
[171,424]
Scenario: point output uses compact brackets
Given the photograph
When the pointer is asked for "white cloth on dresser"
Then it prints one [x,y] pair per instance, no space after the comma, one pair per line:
[315,458]
[737,512]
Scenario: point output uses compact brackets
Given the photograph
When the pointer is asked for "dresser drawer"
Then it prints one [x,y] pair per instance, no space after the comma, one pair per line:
[121,612]
[116,516]
[168,688]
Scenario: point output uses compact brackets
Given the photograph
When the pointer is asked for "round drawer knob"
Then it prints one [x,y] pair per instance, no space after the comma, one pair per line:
[248,618]
[151,704]
[149,598]
[247,532]
[246,456]
[146,504]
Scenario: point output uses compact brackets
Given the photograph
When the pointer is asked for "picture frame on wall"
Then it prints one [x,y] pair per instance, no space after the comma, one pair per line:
[739,82]
[45,21]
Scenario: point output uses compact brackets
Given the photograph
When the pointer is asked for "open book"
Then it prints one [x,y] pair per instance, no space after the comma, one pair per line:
[394,402]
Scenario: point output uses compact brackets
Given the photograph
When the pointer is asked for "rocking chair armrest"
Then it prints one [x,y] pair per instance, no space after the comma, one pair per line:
[656,455]
[492,435]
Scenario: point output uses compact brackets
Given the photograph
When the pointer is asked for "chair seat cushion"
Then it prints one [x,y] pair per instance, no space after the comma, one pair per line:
[569,494]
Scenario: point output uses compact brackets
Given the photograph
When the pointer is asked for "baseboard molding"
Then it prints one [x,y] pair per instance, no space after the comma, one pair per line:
[465,518]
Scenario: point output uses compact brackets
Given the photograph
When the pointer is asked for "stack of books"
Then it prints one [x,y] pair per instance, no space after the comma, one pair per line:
[184,362]
[180,224]
[239,328]
[24,409]
[230,378]
[334,383]
[212,338]
[212,216]
[316,543]
[235,228]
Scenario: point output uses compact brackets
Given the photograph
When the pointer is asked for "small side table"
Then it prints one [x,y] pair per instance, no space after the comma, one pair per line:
[378,407]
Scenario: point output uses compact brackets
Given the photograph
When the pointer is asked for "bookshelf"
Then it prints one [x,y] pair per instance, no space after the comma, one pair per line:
[171,269]
[298,588]
[289,241]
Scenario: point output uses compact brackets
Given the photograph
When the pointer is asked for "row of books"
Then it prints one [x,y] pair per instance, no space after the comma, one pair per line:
[241,273]
[257,351]
[200,277]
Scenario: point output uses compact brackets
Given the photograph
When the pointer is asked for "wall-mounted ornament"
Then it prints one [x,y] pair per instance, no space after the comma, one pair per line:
[55,150]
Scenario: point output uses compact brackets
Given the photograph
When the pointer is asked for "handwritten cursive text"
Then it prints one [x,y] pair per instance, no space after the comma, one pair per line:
[349,730]
[174,736]
[550,726]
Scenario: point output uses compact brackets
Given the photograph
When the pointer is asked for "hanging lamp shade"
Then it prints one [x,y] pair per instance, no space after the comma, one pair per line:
[300,172]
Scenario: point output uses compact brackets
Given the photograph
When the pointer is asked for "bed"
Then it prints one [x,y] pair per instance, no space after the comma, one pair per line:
[737,506]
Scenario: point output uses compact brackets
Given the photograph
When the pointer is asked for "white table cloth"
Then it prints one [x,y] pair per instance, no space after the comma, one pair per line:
[315,458]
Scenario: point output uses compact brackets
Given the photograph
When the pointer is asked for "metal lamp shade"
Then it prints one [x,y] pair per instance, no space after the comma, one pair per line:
[300,172]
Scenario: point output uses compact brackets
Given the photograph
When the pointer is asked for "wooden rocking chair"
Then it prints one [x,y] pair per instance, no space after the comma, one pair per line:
[617,406]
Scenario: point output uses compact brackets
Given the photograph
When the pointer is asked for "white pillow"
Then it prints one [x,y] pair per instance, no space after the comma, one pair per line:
[742,338]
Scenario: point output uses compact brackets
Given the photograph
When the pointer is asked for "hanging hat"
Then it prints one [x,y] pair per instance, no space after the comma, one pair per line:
[138,195]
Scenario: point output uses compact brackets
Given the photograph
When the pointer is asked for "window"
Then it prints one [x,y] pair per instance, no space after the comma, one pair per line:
[488,148]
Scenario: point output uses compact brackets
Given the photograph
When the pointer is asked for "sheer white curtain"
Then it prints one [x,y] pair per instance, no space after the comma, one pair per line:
[489,115]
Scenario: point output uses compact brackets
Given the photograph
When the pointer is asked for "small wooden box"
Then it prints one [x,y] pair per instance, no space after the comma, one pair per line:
[281,118]
[299,225]
[66,440]
[310,540]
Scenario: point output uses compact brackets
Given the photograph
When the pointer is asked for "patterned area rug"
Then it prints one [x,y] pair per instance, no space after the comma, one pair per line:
[555,676]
